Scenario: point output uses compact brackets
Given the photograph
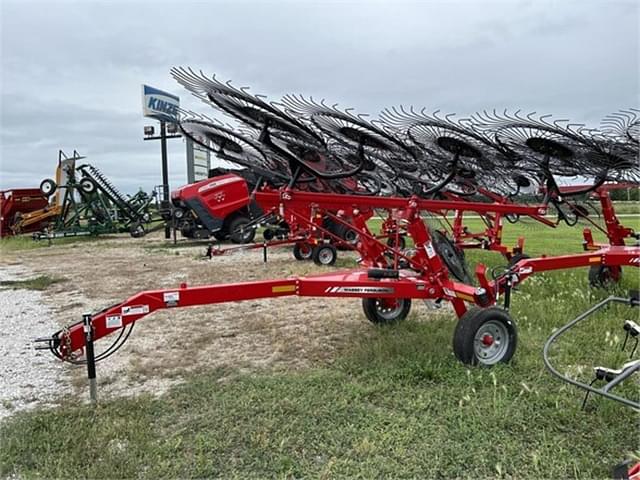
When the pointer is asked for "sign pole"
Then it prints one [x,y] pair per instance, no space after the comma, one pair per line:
[165,176]
[164,107]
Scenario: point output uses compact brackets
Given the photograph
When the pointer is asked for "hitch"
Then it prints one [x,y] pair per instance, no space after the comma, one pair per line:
[52,342]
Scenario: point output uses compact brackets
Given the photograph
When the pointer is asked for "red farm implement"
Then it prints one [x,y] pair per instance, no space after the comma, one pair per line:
[17,203]
[485,334]
[322,172]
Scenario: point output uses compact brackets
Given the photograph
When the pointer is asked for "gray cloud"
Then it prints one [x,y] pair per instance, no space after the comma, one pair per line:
[71,71]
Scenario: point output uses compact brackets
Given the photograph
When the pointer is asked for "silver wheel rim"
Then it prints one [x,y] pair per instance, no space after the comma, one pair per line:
[491,342]
[325,255]
[47,188]
[389,313]
[243,233]
[305,252]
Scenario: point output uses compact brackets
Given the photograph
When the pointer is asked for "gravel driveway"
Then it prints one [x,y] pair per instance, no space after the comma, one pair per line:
[27,377]
[255,335]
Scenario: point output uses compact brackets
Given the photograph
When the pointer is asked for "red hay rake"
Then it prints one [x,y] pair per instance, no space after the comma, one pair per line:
[323,172]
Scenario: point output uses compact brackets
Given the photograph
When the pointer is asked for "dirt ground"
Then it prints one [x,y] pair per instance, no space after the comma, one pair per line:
[286,333]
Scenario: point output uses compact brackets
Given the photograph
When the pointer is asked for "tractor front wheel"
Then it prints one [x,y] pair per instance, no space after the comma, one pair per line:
[485,336]
[383,311]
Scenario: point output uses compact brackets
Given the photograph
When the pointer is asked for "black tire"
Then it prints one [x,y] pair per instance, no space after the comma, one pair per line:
[302,251]
[137,230]
[237,232]
[385,311]
[603,276]
[485,336]
[48,187]
[325,254]
[350,236]
[178,214]
[268,234]
[87,185]
[452,257]
[221,235]
[201,234]
[517,257]
[347,234]
[186,228]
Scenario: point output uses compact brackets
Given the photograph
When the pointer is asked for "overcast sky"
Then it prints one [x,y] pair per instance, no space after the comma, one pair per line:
[71,71]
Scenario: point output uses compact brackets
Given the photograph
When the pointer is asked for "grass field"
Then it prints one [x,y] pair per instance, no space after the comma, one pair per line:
[625,208]
[396,404]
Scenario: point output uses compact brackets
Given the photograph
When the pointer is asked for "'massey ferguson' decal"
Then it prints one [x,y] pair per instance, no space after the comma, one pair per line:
[135,310]
[367,290]
[635,260]
[218,183]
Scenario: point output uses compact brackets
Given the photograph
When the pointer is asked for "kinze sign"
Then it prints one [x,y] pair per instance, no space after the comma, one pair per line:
[159,105]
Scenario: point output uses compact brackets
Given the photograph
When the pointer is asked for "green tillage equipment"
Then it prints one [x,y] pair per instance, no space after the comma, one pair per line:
[92,205]
[132,214]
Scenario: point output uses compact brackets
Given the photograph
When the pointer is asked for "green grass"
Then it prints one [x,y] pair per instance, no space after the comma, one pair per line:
[395,404]
[41,282]
[624,207]
[25,242]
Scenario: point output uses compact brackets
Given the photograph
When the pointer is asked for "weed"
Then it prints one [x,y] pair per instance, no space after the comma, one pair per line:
[41,282]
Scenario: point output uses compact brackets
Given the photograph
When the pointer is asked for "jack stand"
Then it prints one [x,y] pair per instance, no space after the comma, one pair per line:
[507,293]
[173,227]
[91,359]
[264,252]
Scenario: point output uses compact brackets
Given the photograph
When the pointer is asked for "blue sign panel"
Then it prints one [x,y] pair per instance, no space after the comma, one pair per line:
[159,105]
